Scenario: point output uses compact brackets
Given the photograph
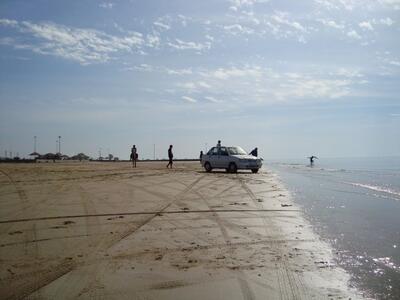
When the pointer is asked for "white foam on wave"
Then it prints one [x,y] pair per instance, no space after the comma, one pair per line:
[375,188]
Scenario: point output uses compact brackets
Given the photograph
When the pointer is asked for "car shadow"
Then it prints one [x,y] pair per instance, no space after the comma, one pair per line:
[224,172]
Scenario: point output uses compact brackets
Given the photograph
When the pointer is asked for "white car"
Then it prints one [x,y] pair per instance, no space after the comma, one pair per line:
[231,159]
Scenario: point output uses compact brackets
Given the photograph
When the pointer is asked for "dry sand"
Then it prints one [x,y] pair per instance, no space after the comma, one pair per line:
[107,231]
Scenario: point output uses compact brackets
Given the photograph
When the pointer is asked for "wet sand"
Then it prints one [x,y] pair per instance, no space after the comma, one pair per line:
[105,230]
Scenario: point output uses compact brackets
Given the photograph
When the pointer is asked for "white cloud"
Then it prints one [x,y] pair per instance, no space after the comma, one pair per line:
[153,40]
[179,71]
[352,5]
[162,25]
[85,46]
[144,67]
[191,86]
[331,23]
[366,25]
[386,21]
[395,63]
[107,5]
[348,73]
[212,99]
[237,4]
[225,74]
[313,88]
[203,84]
[283,18]
[253,84]
[395,4]
[189,99]
[209,37]
[184,20]
[182,45]
[353,34]
[349,5]
[7,22]
[282,26]
[236,29]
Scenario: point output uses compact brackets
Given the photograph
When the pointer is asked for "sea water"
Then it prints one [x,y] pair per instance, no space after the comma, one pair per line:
[354,203]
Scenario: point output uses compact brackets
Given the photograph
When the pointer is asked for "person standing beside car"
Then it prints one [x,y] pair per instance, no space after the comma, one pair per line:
[254,152]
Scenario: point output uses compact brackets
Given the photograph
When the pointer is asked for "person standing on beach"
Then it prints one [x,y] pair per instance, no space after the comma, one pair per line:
[254,152]
[170,156]
[134,156]
[201,155]
[311,158]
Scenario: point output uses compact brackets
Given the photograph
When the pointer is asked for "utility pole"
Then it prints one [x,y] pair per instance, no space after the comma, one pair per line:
[154,151]
[59,144]
[34,143]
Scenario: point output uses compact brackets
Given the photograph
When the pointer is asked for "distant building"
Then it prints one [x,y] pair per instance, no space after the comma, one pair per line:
[49,156]
[34,155]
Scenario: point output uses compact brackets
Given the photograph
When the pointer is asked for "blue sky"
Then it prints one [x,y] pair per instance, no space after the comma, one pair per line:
[294,78]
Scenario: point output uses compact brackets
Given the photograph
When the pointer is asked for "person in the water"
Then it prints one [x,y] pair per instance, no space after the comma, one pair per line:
[312,157]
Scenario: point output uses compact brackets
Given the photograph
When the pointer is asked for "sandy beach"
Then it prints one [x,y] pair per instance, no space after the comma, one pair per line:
[108,231]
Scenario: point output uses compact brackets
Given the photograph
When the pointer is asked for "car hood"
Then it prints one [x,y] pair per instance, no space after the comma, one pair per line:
[245,157]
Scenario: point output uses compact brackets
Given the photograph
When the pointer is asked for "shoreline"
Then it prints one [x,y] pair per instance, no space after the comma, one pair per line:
[104,230]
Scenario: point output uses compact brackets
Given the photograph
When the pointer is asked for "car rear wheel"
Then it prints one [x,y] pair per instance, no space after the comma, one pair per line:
[232,168]
[254,171]
[207,167]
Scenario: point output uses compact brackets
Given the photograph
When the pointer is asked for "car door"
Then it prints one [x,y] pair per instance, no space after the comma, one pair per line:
[214,157]
[223,158]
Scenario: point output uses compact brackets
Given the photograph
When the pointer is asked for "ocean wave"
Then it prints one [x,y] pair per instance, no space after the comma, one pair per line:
[375,188]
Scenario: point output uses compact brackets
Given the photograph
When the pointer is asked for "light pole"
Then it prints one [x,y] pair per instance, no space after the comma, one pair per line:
[59,144]
[34,143]
[154,151]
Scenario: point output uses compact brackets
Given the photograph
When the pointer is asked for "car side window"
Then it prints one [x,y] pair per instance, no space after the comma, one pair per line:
[215,151]
[224,151]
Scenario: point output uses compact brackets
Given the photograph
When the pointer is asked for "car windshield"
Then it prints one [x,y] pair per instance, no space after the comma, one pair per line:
[236,151]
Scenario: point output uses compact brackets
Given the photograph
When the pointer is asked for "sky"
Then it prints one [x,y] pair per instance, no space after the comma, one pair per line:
[293,78]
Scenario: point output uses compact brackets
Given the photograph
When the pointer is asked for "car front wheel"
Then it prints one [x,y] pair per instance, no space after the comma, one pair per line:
[254,171]
[232,168]
[207,166]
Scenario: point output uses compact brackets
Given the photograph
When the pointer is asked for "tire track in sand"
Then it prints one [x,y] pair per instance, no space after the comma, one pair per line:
[158,210]
[242,279]
[291,285]
[23,286]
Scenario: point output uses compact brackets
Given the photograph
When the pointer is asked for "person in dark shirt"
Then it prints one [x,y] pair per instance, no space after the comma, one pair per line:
[311,158]
[170,156]
[134,156]
[254,152]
